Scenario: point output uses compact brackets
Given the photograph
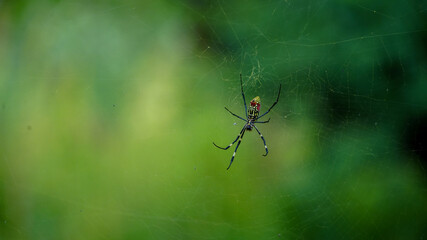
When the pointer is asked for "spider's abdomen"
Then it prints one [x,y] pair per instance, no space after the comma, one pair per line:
[253,110]
[253,113]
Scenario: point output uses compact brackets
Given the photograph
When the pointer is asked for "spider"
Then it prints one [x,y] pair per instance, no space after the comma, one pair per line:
[251,118]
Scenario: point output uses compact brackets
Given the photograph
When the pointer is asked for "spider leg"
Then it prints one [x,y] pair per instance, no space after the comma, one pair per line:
[238,144]
[265,145]
[243,94]
[277,100]
[263,121]
[235,114]
[231,144]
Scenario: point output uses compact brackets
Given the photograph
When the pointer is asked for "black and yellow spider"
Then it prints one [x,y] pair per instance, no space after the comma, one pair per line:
[251,118]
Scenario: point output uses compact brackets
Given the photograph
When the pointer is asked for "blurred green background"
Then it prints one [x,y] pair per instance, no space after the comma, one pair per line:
[108,111]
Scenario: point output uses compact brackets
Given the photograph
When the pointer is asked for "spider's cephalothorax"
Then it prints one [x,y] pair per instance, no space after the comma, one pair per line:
[251,118]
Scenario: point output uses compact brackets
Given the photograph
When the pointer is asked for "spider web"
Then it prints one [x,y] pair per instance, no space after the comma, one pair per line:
[348,119]
[108,113]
